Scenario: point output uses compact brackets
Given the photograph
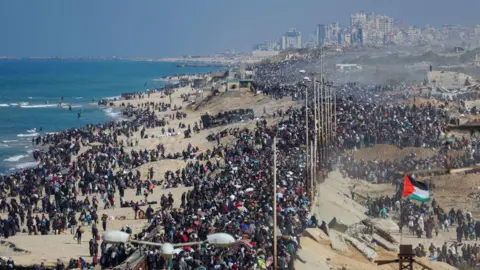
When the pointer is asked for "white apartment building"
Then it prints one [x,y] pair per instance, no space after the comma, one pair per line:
[292,40]
[331,33]
[358,19]
[414,34]
[383,24]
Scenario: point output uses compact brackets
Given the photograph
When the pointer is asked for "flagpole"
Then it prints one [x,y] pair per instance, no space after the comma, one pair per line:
[401,221]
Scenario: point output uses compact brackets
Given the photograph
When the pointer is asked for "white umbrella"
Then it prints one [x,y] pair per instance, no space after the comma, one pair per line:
[242,209]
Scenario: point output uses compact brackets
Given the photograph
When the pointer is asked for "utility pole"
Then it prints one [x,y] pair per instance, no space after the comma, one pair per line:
[312,164]
[321,110]
[315,106]
[275,265]
[307,183]
[335,111]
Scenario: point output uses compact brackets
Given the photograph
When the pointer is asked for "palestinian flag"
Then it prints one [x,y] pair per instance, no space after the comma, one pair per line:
[415,190]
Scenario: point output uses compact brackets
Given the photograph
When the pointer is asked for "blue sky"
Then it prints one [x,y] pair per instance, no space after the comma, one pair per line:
[153,28]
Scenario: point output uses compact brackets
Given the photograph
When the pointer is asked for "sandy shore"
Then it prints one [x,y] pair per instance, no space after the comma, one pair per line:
[48,248]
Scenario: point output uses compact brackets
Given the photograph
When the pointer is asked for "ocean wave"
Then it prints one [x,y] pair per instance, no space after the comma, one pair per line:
[26,165]
[39,106]
[15,158]
[28,135]
[13,104]
[32,130]
[9,141]
[4,145]
[66,106]
[30,97]
[4,105]
[23,104]
[111,113]
[78,97]
[112,98]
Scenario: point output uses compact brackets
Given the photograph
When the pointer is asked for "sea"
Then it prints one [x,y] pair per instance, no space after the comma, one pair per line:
[31,90]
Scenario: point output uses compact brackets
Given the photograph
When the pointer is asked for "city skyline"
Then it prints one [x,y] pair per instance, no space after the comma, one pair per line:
[154,29]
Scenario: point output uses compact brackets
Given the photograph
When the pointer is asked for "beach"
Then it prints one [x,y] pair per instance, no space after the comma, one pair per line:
[32,90]
[37,248]
[198,163]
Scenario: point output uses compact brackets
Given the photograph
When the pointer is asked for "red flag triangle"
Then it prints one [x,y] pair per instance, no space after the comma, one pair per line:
[407,186]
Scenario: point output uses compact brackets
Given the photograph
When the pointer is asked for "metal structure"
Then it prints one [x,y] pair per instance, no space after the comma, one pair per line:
[325,100]
[324,109]
[405,259]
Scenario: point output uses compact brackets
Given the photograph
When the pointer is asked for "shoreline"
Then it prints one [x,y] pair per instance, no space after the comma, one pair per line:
[15,141]
[30,258]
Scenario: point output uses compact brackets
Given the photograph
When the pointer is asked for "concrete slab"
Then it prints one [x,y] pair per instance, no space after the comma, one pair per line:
[313,255]
[338,242]
[317,235]
[385,234]
[332,203]
[386,224]
[366,251]
[337,225]
[384,243]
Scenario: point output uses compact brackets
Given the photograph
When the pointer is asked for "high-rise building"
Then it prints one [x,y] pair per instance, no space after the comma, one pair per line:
[269,45]
[327,34]
[384,24]
[358,20]
[359,36]
[321,34]
[292,40]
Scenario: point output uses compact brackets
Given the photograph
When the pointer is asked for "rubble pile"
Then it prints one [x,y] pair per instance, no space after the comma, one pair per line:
[365,236]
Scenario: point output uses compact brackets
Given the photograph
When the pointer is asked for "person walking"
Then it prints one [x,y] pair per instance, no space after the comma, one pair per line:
[95,232]
[73,224]
[104,222]
[79,234]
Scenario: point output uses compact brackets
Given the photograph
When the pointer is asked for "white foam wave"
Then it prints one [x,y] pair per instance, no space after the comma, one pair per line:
[28,135]
[4,105]
[13,104]
[32,130]
[111,113]
[26,165]
[8,141]
[39,106]
[31,151]
[30,97]
[23,104]
[111,98]
[15,158]
[78,97]
[66,106]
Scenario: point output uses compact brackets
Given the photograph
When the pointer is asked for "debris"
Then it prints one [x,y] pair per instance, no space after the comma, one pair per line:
[336,224]
[384,243]
[367,251]
[384,234]
[338,242]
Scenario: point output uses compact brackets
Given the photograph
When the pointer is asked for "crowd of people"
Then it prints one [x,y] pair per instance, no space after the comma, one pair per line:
[237,200]
[67,168]
[232,184]
[429,220]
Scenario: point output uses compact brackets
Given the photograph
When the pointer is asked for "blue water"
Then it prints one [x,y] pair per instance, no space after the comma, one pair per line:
[31,89]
